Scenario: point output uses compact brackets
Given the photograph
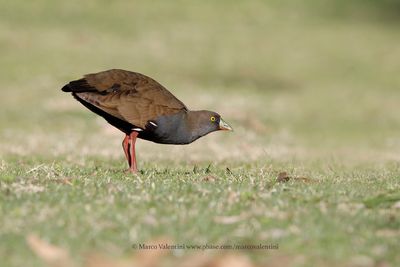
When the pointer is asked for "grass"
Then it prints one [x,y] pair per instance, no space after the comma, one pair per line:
[310,94]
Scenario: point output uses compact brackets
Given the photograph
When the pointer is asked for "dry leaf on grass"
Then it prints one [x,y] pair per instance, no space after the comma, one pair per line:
[284,177]
[209,178]
[50,254]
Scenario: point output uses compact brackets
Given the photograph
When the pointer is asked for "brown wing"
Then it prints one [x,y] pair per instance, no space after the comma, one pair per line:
[126,95]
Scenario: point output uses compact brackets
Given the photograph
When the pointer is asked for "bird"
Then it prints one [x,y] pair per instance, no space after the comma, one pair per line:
[142,108]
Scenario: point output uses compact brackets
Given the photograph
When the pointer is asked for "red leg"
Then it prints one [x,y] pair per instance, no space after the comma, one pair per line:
[125,146]
[133,165]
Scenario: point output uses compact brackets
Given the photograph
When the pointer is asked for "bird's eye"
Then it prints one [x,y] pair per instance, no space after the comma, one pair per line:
[213,119]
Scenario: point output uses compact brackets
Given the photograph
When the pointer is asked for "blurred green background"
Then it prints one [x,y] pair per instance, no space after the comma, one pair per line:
[315,73]
[312,87]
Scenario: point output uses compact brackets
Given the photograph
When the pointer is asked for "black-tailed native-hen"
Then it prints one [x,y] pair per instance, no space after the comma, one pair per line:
[142,108]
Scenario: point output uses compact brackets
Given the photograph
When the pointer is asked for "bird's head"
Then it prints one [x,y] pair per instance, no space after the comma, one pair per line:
[203,122]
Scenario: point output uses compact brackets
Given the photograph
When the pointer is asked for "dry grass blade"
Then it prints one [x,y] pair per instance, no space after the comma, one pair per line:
[35,168]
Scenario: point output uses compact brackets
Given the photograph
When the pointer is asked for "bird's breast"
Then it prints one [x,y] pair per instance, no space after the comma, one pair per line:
[167,129]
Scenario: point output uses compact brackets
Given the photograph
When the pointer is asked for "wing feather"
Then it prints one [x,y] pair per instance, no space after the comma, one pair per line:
[126,95]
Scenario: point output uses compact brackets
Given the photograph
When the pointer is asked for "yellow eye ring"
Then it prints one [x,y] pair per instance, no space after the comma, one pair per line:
[213,119]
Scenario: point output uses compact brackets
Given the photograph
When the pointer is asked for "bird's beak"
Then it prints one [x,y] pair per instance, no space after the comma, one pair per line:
[224,126]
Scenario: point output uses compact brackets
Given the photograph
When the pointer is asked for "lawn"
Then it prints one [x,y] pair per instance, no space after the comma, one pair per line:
[312,166]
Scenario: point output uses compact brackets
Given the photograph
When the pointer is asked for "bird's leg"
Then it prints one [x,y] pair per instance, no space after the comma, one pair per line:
[132,141]
[125,146]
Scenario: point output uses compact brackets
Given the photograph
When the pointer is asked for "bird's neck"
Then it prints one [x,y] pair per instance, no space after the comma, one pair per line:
[173,129]
[193,121]
[180,128]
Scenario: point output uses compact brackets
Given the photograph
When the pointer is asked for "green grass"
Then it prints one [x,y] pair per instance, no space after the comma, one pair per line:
[311,91]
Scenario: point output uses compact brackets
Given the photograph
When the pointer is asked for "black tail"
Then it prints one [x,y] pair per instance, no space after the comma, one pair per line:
[66,88]
[78,86]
